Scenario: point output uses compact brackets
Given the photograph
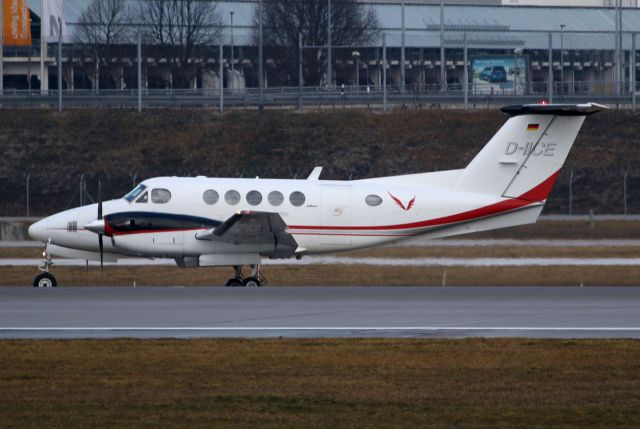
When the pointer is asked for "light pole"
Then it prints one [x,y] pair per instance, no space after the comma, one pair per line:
[356,57]
[443,73]
[260,82]
[562,60]
[231,13]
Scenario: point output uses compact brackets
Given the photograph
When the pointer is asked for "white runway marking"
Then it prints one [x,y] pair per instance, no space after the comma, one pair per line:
[397,262]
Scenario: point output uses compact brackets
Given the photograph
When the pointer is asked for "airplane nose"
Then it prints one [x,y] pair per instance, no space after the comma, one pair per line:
[38,231]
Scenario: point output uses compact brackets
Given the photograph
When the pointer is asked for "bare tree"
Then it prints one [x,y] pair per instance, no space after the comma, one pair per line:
[183,31]
[352,23]
[102,26]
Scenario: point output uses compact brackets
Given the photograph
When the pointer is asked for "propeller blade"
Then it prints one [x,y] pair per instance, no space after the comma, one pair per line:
[101,251]
[99,200]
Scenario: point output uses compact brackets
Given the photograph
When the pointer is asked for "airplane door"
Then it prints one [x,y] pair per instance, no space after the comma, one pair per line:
[336,211]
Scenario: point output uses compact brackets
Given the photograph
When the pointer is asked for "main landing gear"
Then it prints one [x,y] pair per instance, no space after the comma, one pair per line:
[254,280]
[45,279]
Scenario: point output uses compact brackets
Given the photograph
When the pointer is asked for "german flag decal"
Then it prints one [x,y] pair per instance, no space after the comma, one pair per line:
[533,127]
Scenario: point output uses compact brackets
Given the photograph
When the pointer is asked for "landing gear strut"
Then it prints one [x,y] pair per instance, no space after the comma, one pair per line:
[254,280]
[45,279]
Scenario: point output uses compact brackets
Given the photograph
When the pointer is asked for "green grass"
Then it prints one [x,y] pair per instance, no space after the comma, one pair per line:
[502,383]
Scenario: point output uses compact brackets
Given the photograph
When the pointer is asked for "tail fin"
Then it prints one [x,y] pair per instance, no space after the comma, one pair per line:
[524,158]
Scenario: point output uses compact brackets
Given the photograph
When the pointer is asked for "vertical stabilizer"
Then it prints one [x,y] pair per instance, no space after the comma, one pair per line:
[525,156]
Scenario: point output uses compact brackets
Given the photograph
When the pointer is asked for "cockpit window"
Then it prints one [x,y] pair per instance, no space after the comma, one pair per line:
[160,196]
[134,194]
[144,198]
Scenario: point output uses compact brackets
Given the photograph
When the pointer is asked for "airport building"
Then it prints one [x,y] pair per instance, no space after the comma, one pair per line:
[510,46]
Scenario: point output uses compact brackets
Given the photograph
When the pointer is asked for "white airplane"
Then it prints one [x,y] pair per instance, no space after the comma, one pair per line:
[202,221]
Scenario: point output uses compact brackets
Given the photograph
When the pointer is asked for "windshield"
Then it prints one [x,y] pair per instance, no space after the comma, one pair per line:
[133,194]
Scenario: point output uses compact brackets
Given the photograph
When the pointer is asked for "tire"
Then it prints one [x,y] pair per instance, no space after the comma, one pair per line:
[251,282]
[234,282]
[45,280]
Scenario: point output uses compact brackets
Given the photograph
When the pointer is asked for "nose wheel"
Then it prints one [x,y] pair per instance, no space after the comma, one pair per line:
[254,280]
[45,279]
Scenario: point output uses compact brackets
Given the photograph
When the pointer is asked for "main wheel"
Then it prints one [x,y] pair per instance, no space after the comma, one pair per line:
[251,282]
[45,280]
[236,281]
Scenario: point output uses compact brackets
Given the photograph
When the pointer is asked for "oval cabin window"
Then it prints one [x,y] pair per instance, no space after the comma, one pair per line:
[232,197]
[210,197]
[373,200]
[297,198]
[275,198]
[254,198]
[160,196]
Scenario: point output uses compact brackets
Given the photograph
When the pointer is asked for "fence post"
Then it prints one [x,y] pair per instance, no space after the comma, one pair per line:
[139,73]
[81,189]
[300,71]
[221,76]
[634,71]
[402,51]
[384,72]
[59,67]
[625,194]
[28,177]
[550,67]
[571,193]
[466,74]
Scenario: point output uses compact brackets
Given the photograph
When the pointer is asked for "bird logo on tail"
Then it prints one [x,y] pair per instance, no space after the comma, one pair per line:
[399,203]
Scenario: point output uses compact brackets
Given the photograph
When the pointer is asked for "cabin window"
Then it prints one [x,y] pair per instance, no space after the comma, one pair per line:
[160,196]
[254,198]
[373,200]
[144,198]
[210,197]
[134,193]
[232,197]
[297,198]
[275,198]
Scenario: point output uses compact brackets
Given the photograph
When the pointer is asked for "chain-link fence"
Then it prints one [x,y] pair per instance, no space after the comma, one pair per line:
[576,192]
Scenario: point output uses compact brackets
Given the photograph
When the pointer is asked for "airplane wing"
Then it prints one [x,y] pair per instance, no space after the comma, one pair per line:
[267,231]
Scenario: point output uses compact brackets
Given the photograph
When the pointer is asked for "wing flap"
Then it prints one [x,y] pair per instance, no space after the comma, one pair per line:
[267,231]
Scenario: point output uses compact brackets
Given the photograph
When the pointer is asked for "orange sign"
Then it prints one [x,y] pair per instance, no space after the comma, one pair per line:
[16,23]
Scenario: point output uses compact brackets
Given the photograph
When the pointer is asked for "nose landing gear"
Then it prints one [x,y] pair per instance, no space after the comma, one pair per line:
[254,280]
[45,279]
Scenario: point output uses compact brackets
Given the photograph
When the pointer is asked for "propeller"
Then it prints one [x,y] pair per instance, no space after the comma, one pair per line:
[100,244]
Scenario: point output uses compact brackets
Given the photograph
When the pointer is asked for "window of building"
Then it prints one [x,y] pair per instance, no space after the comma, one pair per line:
[254,198]
[297,198]
[232,197]
[160,196]
[275,198]
[210,197]
[373,200]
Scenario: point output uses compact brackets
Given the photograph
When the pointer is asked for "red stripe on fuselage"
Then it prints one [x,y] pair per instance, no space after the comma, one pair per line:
[535,195]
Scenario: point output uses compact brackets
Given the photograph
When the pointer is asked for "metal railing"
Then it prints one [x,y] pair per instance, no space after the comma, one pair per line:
[372,96]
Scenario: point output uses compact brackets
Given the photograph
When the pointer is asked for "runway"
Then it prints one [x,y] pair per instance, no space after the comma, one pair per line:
[306,312]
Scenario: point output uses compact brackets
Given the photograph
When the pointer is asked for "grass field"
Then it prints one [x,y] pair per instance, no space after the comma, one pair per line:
[475,383]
